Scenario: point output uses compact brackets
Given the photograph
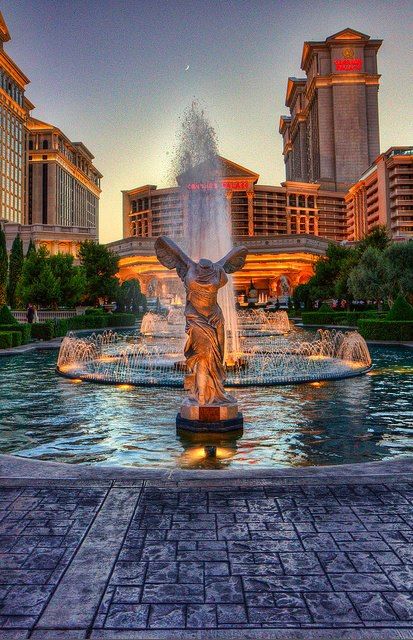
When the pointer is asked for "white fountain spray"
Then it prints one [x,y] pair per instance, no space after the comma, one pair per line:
[207,220]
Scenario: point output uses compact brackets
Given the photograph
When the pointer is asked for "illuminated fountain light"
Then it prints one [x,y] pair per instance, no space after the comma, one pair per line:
[157,325]
[266,360]
[257,321]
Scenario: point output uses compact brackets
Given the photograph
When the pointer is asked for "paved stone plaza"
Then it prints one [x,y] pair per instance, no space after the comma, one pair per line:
[287,555]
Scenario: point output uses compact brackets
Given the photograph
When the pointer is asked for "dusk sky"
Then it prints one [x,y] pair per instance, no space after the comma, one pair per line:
[112,74]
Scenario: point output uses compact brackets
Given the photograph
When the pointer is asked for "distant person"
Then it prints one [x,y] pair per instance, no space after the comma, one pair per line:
[30,313]
[35,315]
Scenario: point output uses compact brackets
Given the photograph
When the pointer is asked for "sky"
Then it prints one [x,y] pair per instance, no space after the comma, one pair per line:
[113,74]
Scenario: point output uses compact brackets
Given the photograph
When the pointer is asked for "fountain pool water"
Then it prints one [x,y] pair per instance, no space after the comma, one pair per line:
[358,419]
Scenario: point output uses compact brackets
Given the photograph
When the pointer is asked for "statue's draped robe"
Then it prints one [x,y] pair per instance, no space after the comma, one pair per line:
[204,349]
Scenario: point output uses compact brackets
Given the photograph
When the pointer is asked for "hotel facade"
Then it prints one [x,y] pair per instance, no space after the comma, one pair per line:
[337,188]
[49,189]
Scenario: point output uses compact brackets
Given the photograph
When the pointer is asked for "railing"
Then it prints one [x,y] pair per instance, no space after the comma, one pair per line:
[21,316]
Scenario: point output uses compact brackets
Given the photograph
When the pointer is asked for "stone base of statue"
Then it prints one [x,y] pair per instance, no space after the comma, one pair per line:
[209,417]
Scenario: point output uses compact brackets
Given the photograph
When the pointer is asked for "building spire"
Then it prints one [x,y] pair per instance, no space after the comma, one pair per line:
[4,32]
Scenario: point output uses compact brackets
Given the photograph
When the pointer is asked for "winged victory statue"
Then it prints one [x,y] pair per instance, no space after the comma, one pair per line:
[204,348]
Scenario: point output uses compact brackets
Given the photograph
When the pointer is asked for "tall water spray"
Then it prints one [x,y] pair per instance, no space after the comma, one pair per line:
[207,221]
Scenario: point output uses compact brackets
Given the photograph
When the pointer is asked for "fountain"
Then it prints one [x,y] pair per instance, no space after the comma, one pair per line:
[256,348]
[115,358]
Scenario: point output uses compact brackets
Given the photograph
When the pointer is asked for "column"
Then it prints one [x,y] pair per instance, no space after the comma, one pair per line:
[288,215]
[185,208]
[228,195]
[250,196]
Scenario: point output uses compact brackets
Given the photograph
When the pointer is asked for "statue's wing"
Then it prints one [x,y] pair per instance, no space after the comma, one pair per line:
[234,260]
[172,256]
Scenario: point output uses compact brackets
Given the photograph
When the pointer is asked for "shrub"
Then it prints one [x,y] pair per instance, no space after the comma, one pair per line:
[401,310]
[94,311]
[121,320]
[6,316]
[6,340]
[339,318]
[24,329]
[60,327]
[16,338]
[317,317]
[90,321]
[396,330]
[43,330]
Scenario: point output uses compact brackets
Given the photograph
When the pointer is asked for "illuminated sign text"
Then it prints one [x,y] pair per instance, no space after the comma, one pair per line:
[346,64]
[235,185]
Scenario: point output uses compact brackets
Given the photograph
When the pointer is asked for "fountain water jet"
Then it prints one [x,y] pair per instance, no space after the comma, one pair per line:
[207,229]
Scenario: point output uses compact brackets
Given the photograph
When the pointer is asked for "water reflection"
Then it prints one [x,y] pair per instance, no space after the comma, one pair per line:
[208,451]
[353,420]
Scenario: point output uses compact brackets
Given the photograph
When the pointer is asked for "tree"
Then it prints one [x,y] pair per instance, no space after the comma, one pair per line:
[401,310]
[400,266]
[369,280]
[71,279]
[327,271]
[31,248]
[15,270]
[378,238]
[100,266]
[4,268]
[302,295]
[38,283]
[46,290]
[130,297]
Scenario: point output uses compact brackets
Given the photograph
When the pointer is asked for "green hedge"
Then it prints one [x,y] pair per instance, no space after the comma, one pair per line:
[25,330]
[339,318]
[93,312]
[121,319]
[6,316]
[43,330]
[10,339]
[6,340]
[57,328]
[401,310]
[16,338]
[397,330]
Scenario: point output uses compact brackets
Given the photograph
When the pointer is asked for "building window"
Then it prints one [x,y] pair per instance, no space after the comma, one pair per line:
[45,144]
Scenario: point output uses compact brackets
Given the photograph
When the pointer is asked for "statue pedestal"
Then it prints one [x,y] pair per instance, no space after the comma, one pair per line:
[209,417]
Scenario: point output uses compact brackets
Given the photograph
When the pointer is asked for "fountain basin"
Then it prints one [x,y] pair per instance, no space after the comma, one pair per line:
[113,358]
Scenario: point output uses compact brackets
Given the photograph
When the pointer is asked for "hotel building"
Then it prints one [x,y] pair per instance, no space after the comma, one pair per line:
[383,195]
[49,190]
[285,228]
[14,112]
[337,186]
[331,134]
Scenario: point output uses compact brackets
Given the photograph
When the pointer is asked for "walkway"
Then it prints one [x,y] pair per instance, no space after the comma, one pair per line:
[285,554]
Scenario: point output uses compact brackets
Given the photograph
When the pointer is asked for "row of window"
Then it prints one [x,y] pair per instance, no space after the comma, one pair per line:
[11,88]
[76,205]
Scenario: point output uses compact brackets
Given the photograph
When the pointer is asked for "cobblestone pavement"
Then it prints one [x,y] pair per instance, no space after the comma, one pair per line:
[255,558]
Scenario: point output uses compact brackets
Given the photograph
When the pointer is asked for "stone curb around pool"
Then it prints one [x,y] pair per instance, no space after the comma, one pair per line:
[16,468]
